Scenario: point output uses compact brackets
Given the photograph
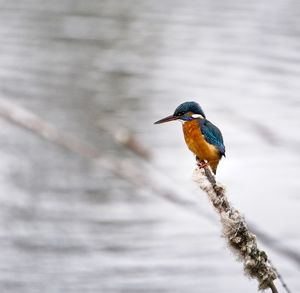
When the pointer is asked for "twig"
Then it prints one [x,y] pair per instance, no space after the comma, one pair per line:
[273,288]
[125,138]
[239,238]
[280,278]
[30,121]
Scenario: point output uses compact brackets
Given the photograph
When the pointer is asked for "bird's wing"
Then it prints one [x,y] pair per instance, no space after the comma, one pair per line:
[212,135]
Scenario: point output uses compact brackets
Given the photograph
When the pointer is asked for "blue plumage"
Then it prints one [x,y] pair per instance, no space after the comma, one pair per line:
[188,107]
[212,135]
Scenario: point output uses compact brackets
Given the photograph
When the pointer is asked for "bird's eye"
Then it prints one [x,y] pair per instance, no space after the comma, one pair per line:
[180,114]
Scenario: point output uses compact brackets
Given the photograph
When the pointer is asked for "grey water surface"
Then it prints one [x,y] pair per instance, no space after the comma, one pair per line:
[69,223]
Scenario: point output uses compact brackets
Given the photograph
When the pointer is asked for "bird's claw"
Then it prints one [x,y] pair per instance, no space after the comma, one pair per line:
[202,164]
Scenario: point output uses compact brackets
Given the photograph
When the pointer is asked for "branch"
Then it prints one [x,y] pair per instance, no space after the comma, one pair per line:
[32,122]
[240,239]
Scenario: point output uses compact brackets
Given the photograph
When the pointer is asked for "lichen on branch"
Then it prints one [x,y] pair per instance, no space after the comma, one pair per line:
[241,241]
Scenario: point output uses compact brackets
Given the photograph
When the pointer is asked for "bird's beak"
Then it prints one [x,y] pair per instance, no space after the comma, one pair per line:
[166,119]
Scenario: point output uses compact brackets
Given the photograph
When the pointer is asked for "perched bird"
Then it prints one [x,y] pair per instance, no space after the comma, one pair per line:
[202,137]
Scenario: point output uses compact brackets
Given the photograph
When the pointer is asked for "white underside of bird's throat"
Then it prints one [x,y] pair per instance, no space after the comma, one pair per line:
[197,116]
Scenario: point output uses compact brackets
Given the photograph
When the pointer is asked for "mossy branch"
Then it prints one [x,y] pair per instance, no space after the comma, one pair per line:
[240,239]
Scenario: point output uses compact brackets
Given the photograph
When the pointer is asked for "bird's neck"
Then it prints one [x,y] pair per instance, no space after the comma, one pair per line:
[190,125]
[193,121]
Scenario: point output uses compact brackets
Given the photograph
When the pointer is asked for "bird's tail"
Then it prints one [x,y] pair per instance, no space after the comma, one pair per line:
[214,164]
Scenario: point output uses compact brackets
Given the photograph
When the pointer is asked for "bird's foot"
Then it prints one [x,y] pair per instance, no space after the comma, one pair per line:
[202,164]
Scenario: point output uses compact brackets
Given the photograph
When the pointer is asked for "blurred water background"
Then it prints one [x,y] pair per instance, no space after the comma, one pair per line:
[84,208]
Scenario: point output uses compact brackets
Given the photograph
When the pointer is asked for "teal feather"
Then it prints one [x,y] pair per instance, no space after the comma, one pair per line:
[213,135]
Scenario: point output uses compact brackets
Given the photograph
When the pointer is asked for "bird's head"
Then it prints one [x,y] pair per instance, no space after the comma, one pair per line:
[186,111]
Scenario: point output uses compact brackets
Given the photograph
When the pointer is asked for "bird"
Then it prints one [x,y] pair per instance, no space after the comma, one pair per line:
[202,137]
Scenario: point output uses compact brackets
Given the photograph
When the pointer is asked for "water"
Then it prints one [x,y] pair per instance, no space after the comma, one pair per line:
[68,224]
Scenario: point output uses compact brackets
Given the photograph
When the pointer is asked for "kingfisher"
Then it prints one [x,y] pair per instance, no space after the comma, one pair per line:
[202,137]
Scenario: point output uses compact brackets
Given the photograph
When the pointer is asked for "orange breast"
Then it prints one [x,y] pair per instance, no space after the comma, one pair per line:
[196,142]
